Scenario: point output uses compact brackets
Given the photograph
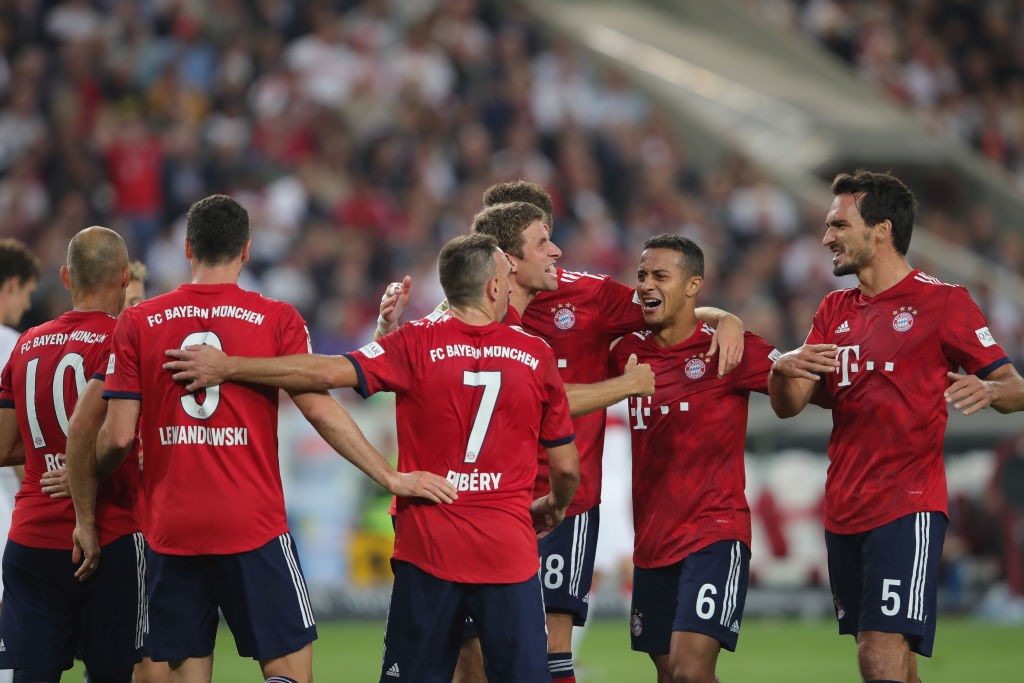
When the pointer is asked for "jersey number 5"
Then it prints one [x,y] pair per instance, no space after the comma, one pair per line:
[192,407]
[491,382]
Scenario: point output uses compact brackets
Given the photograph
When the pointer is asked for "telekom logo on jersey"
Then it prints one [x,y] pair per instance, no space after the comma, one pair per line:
[850,363]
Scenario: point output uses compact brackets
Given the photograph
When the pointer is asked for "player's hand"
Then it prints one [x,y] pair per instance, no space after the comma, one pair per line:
[86,551]
[641,375]
[200,365]
[727,342]
[808,362]
[433,487]
[54,483]
[546,515]
[968,393]
[392,306]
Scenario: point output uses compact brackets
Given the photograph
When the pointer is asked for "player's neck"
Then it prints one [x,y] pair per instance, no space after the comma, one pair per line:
[520,298]
[677,330]
[478,316]
[108,302]
[216,274]
[882,273]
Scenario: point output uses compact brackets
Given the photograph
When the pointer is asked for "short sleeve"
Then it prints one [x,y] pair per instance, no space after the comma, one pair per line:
[556,423]
[293,333]
[122,371]
[758,357]
[966,339]
[620,307]
[387,364]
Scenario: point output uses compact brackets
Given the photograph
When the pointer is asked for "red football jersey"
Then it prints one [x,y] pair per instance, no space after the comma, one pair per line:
[472,403]
[688,442]
[49,367]
[211,477]
[580,320]
[889,415]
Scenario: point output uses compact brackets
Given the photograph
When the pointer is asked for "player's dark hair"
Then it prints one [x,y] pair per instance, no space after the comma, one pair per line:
[16,261]
[881,196]
[97,257]
[506,223]
[692,256]
[520,191]
[218,228]
[466,264]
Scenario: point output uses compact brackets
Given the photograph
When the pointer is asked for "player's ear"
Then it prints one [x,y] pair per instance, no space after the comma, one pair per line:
[693,285]
[245,251]
[884,230]
[65,277]
[188,249]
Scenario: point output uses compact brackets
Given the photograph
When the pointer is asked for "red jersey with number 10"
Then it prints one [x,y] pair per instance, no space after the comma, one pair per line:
[688,440]
[580,320]
[211,476]
[889,414]
[472,403]
[49,367]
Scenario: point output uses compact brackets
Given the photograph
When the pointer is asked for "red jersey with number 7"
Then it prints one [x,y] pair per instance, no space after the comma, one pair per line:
[472,403]
[48,369]
[889,413]
[212,480]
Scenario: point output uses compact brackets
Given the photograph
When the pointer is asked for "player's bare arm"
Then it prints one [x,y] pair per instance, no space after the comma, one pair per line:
[393,303]
[637,379]
[548,511]
[80,468]
[1003,390]
[728,337]
[337,427]
[204,366]
[116,436]
[796,374]
[11,452]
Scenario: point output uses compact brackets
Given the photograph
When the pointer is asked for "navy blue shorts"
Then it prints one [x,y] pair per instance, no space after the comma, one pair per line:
[703,593]
[886,579]
[567,565]
[48,615]
[426,621]
[261,592]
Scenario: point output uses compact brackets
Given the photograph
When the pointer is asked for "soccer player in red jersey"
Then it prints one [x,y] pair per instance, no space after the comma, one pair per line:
[48,614]
[474,398]
[215,514]
[579,315]
[883,355]
[691,518]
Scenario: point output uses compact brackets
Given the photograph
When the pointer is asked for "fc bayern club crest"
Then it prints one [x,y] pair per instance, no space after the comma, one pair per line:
[903,319]
[636,624]
[695,367]
[565,316]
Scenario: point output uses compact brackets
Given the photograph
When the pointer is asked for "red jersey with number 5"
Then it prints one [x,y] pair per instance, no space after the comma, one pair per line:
[580,320]
[688,440]
[48,369]
[472,403]
[212,480]
[889,414]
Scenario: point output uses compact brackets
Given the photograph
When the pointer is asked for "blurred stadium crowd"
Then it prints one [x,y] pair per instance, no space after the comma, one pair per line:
[360,135]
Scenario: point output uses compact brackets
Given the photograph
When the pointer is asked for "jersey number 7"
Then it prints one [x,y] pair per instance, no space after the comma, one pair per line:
[491,382]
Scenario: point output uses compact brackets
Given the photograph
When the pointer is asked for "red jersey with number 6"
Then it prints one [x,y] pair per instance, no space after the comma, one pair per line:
[580,320]
[48,369]
[472,403]
[688,440]
[889,414]
[212,480]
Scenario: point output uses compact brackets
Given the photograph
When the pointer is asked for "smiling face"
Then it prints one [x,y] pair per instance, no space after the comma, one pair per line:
[851,242]
[664,286]
[535,270]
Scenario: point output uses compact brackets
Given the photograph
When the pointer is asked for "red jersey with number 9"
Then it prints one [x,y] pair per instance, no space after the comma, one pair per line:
[48,369]
[212,481]
[472,403]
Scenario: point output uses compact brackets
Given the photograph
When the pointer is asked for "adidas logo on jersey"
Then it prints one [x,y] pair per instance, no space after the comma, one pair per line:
[393,671]
[735,628]
[845,327]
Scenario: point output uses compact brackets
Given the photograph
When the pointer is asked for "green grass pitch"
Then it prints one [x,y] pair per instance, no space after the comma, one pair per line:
[786,651]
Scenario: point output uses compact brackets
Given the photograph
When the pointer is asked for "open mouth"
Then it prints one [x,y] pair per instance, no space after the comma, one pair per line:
[651,304]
